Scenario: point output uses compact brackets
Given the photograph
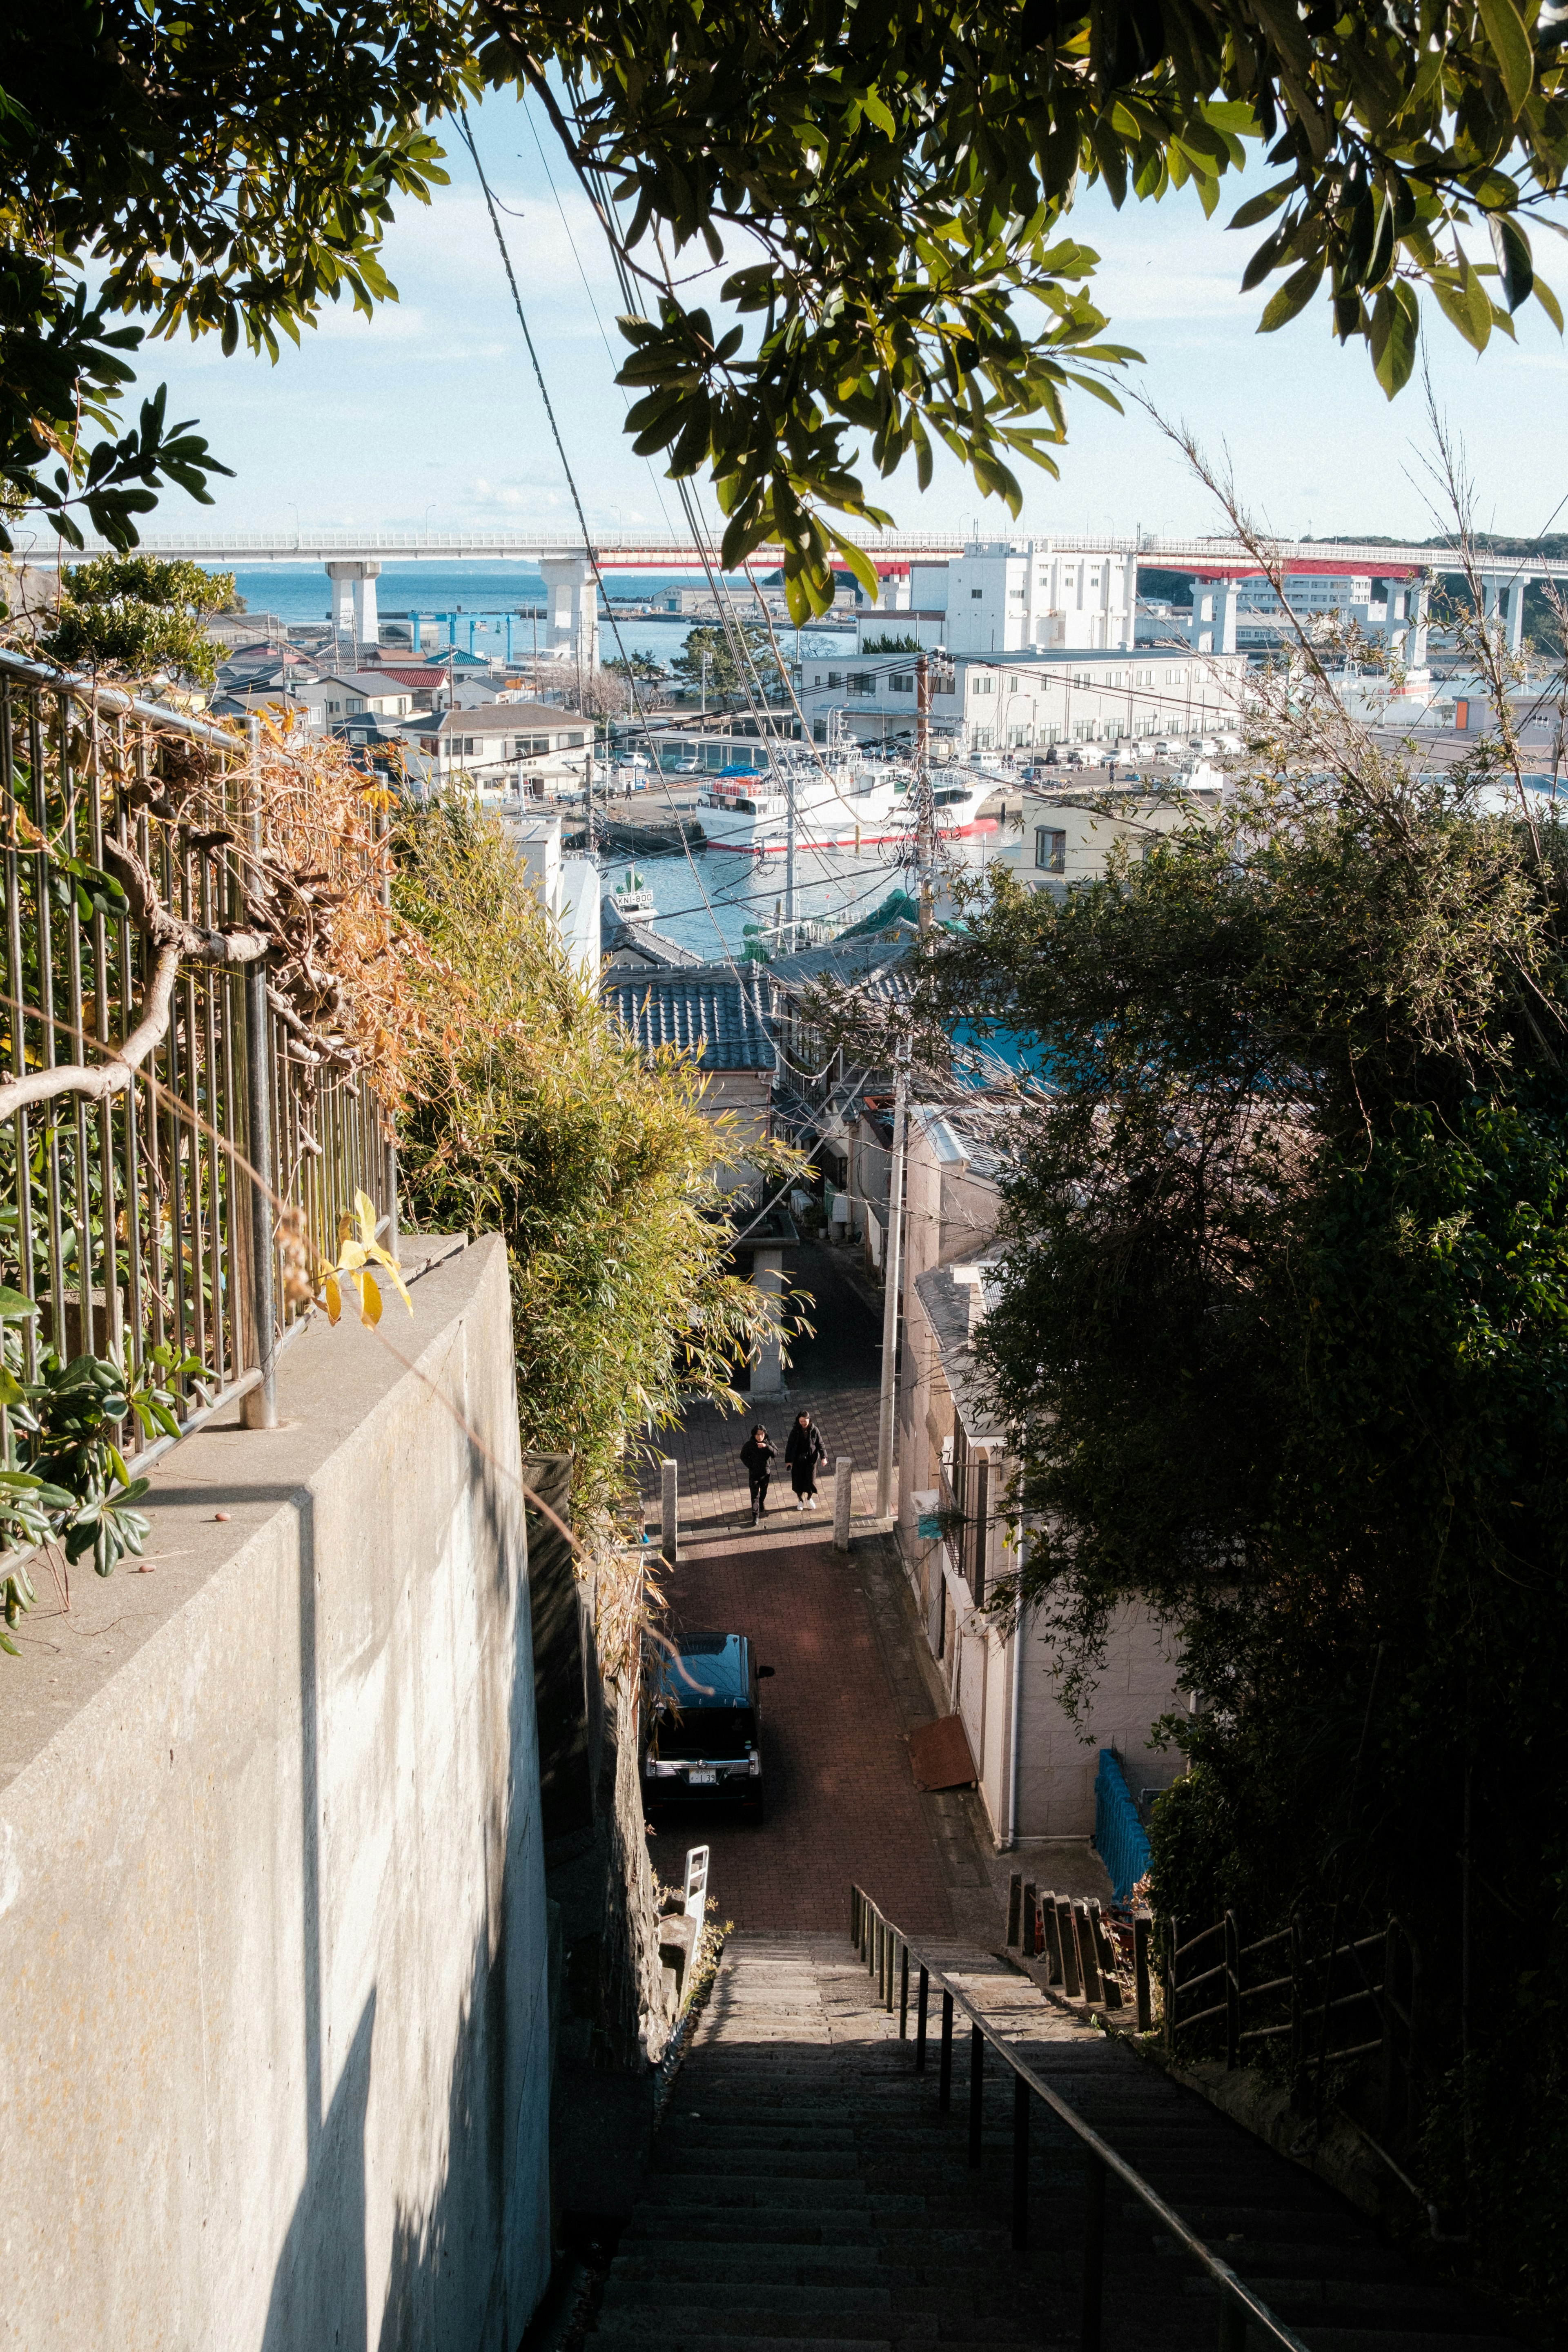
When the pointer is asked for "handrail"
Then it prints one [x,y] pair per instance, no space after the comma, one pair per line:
[1235,2297]
[161,715]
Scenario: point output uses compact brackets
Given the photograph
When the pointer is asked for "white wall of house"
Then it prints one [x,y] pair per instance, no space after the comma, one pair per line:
[1037,1777]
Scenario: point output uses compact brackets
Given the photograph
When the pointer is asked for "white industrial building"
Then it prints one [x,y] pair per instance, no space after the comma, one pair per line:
[1023,700]
[1006,595]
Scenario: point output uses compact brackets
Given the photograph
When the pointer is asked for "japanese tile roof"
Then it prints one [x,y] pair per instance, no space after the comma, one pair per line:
[715,1018]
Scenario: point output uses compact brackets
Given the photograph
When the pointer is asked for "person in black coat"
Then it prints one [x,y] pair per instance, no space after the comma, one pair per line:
[803,1452]
[758,1456]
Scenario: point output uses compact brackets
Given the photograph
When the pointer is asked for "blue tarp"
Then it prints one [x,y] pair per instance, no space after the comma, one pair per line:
[1119,1838]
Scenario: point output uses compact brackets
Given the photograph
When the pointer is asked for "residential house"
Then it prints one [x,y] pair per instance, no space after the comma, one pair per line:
[340,696]
[959,1525]
[1061,839]
[505,749]
[720,1020]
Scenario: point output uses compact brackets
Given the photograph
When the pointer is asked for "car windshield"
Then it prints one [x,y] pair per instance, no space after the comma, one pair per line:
[706,1731]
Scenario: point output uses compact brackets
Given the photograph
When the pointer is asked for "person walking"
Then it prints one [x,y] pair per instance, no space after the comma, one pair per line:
[803,1451]
[758,1456]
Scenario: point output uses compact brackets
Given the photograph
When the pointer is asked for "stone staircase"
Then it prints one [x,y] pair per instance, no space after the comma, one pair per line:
[806,2191]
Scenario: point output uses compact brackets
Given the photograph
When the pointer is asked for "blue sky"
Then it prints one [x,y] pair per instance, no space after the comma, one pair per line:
[429,414]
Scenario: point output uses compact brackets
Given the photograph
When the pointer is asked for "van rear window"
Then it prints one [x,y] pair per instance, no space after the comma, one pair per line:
[707,1731]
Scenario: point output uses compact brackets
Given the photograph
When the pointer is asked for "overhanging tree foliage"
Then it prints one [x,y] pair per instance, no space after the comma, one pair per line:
[884,187]
[1283,1332]
[529,1112]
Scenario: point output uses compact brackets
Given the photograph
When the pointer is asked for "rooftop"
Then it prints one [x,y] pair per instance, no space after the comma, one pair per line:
[717,1020]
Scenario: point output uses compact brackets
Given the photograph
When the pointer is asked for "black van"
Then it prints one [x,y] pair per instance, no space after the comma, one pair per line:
[702,1736]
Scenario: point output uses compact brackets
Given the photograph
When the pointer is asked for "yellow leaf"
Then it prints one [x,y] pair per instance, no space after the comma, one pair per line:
[370,1300]
[365,1207]
[352,1256]
[384,1258]
[333,1297]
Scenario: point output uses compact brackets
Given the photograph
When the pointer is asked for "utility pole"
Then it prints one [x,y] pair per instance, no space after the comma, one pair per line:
[925,818]
[892,1276]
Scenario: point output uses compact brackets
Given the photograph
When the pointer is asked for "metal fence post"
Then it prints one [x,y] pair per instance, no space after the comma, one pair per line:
[944,2076]
[922,2001]
[1232,1992]
[1020,2164]
[1093,2253]
[976,2094]
[1014,1900]
[1143,1993]
[1072,1985]
[855,1914]
[1088,1958]
[258,1409]
[1172,1981]
[669,1508]
[904,1994]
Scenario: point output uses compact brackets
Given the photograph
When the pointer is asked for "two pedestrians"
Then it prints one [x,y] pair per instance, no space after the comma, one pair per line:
[803,1449]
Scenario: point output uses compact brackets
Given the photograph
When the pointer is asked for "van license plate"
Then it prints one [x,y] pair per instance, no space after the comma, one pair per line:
[697,1777]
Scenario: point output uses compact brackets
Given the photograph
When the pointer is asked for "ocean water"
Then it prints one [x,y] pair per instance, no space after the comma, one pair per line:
[706,900]
[484,593]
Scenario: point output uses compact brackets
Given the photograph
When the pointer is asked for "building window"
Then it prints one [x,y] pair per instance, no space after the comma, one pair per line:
[1050,849]
[977,594]
[574,742]
[1015,595]
[862,681]
[984,684]
[819,731]
[901,682]
[468,749]
[836,681]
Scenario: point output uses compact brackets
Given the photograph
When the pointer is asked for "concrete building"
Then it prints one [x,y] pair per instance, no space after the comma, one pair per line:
[1026,701]
[567,887]
[959,1525]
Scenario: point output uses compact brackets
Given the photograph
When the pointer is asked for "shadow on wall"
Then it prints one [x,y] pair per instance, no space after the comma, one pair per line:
[464,2269]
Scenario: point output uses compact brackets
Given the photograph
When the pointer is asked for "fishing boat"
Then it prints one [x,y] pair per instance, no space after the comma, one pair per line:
[837,803]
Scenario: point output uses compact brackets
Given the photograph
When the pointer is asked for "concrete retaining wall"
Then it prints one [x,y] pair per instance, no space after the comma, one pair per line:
[274,2068]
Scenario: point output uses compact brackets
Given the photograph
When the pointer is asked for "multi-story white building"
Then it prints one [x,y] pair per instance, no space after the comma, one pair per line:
[1024,701]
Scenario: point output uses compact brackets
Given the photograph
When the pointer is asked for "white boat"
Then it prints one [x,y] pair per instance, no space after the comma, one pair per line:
[838,803]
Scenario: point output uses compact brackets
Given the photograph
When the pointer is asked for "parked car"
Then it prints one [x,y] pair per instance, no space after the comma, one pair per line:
[702,1735]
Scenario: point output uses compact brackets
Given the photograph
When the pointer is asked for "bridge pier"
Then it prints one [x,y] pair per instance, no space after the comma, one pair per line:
[1211,629]
[572,594]
[353,600]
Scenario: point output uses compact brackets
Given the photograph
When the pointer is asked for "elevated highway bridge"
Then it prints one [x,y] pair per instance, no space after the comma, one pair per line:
[353,561]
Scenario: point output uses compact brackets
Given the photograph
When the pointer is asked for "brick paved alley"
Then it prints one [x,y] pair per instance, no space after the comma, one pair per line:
[852,1678]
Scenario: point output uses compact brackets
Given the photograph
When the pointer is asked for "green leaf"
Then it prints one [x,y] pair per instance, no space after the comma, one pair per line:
[1515,268]
[1258,208]
[1511,45]
[15,1306]
[1293,298]
[1395,326]
[1549,303]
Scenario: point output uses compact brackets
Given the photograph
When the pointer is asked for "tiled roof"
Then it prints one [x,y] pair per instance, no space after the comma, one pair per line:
[717,1020]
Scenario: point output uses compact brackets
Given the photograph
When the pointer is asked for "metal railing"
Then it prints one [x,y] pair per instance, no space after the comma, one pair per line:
[893,1960]
[148,1217]
[1333,2006]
